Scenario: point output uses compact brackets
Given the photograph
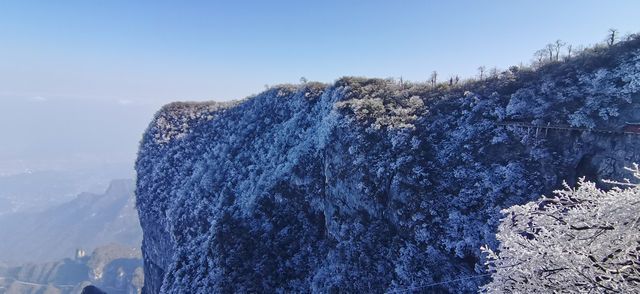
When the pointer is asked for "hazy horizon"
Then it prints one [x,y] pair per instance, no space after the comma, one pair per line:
[66,134]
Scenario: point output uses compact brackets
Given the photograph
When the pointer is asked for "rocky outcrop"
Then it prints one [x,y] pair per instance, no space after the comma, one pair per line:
[92,290]
[368,185]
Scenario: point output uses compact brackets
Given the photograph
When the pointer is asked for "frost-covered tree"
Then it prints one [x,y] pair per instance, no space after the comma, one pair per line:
[611,39]
[539,56]
[550,48]
[583,240]
[558,45]
[434,78]
[481,70]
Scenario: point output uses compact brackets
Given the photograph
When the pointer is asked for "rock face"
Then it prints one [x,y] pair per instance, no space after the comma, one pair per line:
[368,185]
[92,290]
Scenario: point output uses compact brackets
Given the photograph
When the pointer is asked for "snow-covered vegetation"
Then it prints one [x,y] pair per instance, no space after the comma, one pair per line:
[583,240]
[371,185]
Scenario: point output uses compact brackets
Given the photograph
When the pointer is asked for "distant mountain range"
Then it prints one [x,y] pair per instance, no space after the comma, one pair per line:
[32,191]
[88,221]
[115,268]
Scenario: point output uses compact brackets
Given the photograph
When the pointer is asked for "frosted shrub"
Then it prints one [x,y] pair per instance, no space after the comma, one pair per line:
[582,240]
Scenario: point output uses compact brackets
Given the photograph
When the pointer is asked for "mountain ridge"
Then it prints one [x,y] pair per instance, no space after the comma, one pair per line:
[369,184]
[88,221]
[115,267]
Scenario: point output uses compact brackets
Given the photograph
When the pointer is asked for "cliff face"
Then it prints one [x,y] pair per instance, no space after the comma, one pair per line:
[370,185]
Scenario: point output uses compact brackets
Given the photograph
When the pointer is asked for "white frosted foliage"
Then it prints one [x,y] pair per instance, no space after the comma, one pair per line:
[583,240]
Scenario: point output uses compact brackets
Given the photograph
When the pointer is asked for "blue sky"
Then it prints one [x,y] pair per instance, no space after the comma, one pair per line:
[159,51]
[80,80]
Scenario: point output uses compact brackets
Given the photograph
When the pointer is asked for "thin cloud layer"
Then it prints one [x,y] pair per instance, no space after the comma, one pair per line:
[125,101]
[38,99]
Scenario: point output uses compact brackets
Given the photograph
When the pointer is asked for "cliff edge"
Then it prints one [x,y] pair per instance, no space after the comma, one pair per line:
[370,185]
